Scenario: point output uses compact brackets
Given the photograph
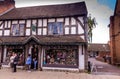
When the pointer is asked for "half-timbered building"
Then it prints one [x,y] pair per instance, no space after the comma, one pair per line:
[55,34]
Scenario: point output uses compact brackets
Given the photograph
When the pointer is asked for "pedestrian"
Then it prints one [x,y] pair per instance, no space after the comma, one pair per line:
[12,60]
[15,62]
[89,66]
[28,62]
[35,63]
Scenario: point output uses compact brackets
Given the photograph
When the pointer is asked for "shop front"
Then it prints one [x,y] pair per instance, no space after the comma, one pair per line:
[60,56]
[9,50]
[49,53]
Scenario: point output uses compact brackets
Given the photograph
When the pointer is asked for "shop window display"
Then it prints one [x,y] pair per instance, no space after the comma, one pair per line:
[20,54]
[61,57]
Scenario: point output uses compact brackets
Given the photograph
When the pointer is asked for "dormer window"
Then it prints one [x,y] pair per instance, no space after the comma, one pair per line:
[55,28]
[18,29]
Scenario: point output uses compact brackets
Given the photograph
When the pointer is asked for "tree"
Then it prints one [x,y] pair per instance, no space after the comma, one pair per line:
[91,25]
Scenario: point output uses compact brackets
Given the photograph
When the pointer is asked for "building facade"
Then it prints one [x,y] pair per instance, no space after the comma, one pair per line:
[115,34]
[100,51]
[56,35]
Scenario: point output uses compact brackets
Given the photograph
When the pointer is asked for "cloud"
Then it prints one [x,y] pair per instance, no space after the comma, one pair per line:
[102,14]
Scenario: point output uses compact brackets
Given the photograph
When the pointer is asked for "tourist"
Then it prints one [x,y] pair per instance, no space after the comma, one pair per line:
[28,62]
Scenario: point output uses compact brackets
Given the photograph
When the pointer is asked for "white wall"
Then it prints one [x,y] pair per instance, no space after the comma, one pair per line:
[6,32]
[39,31]
[28,24]
[1,32]
[27,31]
[22,21]
[4,54]
[81,59]
[1,27]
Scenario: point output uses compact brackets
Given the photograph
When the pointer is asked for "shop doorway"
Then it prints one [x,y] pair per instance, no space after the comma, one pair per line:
[34,54]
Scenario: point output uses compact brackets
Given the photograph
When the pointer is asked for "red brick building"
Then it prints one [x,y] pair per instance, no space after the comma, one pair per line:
[115,34]
[98,50]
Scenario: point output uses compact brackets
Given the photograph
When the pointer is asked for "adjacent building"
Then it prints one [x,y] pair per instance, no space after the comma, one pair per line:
[115,34]
[99,51]
[56,35]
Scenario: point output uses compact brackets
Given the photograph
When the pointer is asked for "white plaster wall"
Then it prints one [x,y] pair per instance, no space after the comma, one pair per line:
[5,52]
[1,32]
[66,30]
[44,22]
[1,27]
[33,32]
[21,21]
[6,32]
[60,19]
[80,29]
[28,23]
[73,21]
[40,23]
[34,22]
[81,19]
[9,24]
[27,31]
[14,22]
[81,59]
[44,31]
[40,31]
[51,20]
[5,24]
[73,30]
[66,21]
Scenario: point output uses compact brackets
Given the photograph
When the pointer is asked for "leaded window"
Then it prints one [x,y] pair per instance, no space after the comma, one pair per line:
[18,29]
[55,28]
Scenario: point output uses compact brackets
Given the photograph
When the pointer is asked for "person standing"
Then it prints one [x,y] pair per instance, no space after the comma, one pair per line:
[12,60]
[28,62]
[35,63]
[15,62]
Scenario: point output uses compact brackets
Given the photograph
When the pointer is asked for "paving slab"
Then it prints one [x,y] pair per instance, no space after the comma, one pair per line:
[6,73]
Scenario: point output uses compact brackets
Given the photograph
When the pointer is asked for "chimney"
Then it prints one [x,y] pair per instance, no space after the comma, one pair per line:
[6,5]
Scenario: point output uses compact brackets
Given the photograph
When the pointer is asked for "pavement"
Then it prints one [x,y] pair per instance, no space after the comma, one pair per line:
[104,68]
[6,73]
[104,71]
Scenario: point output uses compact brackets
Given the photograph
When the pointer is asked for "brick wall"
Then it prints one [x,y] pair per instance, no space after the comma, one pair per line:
[115,34]
[6,5]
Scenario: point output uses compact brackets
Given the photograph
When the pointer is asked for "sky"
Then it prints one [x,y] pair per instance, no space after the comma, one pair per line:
[100,9]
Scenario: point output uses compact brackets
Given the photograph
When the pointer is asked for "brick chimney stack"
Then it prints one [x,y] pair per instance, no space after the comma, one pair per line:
[6,5]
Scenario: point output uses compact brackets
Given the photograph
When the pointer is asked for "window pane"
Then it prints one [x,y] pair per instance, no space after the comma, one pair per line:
[55,28]
[15,29]
[60,27]
[61,57]
[22,29]
[50,28]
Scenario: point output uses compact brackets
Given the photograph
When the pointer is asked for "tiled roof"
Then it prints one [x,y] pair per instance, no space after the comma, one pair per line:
[48,11]
[98,47]
[45,40]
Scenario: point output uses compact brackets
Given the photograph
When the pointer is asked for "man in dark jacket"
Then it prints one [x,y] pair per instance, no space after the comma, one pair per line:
[15,62]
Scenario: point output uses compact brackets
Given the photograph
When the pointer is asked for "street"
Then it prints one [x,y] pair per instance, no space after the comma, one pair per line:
[6,73]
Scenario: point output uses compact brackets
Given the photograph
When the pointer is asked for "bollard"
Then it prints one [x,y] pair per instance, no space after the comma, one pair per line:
[89,66]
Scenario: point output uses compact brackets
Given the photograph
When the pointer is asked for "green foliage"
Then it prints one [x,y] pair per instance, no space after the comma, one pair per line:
[91,25]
